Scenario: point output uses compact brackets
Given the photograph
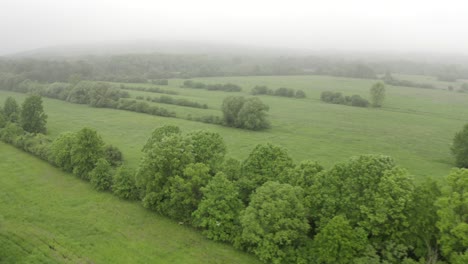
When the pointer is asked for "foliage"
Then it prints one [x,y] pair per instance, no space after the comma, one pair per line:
[231,108]
[61,147]
[165,159]
[86,151]
[184,192]
[285,92]
[228,87]
[208,148]
[33,119]
[377,94]
[275,223]
[11,110]
[158,134]
[372,193]
[422,215]
[113,155]
[124,184]
[218,211]
[453,217]
[10,133]
[338,98]
[3,120]
[164,99]
[338,242]
[460,147]
[253,115]
[265,162]
[101,175]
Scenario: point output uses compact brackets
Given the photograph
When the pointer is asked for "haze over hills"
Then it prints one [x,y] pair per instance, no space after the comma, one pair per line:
[225,49]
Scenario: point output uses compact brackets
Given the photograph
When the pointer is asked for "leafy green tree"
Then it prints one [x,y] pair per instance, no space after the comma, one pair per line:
[158,134]
[372,193]
[231,107]
[124,184]
[253,115]
[338,242]
[184,192]
[453,217]
[208,148]
[113,155]
[422,215]
[232,169]
[60,151]
[11,109]
[377,94]
[219,209]
[3,120]
[85,153]
[266,162]
[460,147]
[33,119]
[275,224]
[164,160]
[11,132]
[101,175]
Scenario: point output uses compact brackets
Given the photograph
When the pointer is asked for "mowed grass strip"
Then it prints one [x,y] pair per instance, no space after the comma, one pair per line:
[415,126]
[47,216]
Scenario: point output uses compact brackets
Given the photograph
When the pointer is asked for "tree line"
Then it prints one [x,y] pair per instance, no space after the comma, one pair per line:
[377,96]
[364,210]
[99,94]
[282,91]
[227,87]
[165,99]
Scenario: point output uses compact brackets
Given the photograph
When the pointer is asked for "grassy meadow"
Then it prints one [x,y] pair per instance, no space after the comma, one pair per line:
[415,126]
[48,216]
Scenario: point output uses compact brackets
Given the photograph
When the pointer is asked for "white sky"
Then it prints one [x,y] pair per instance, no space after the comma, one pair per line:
[361,25]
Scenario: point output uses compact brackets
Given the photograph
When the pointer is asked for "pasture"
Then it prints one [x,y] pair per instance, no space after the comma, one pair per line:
[415,126]
[48,216]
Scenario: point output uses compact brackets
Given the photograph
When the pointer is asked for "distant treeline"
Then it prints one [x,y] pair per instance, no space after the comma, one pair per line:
[94,94]
[285,92]
[147,89]
[164,99]
[228,87]
[390,80]
[156,68]
[338,98]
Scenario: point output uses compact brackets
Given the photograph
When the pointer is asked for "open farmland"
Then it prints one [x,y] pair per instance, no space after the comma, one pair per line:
[415,126]
[48,216]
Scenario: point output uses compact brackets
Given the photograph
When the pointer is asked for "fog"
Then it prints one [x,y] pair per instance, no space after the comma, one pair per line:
[360,25]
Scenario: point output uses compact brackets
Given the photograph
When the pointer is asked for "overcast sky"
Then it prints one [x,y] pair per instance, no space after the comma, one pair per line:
[361,25]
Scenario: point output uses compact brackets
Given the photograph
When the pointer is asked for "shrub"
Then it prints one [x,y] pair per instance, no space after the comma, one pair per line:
[113,155]
[101,175]
[124,184]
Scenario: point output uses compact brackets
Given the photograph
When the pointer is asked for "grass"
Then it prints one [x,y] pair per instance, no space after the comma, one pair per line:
[47,216]
[415,126]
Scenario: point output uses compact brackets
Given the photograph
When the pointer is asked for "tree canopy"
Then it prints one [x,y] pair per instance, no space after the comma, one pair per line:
[377,94]
[460,147]
[33,119]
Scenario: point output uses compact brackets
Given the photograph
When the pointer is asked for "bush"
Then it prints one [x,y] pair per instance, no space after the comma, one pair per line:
[101,175]
[124,184]
[460,148]
[10,133]
[113,155]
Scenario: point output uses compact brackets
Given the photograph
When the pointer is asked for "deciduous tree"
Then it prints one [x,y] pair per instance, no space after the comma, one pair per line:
[33,119]
[377,94]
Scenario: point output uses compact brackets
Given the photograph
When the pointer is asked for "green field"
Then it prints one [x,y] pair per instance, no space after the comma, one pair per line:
[47,216]
[415,126]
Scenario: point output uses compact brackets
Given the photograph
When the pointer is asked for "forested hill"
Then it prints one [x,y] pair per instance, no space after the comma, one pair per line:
[145,62]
